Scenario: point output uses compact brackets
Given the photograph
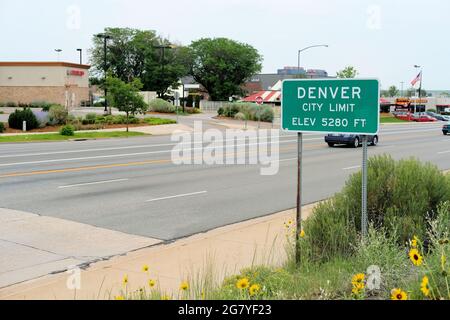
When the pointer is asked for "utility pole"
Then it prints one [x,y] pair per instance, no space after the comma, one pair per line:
[163,58]
[105,38]
[81,55]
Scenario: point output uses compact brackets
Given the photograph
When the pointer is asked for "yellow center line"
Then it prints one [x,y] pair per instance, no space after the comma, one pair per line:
[109,166]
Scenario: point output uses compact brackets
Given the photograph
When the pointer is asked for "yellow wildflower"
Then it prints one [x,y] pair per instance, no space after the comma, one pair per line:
[243,284]
[151,283]
[358,279]
[302,234]
[125,280]
[415,257]
[424,287]
[443,261]
[398,294]
[184,286]
[119,298]
[145,268]
[254,290]
[414,242]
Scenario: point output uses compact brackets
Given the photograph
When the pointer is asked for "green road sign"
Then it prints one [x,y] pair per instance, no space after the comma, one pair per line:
[331,106]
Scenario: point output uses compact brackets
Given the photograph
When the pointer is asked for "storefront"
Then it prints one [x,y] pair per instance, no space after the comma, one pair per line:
[53,82]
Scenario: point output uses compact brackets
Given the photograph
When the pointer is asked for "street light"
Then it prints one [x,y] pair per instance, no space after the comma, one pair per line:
[81,55]
[105,38]
[163,55]
[299,165]
[304,49]
[58,51]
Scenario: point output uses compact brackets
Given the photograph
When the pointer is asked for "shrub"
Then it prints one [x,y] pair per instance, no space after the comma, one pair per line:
[162,106]
[240,116]
[68,130]
[266,114]
[2,104]
[42,117]
[90,118]
[402,196]
[17,118]
[58,115]
[2,127]
[221,111]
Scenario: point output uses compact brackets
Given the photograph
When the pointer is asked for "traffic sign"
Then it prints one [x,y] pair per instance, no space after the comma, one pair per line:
[259,101]
[331,106]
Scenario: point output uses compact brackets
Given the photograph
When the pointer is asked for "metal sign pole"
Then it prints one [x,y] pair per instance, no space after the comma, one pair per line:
[299,197]
[364,217]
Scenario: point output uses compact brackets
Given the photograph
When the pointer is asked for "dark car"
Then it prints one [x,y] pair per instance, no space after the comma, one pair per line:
[349,139]
[446,128]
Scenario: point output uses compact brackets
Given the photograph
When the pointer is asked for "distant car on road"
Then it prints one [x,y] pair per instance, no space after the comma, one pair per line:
[446,128]
[422,118]
[437,116]
[349,139]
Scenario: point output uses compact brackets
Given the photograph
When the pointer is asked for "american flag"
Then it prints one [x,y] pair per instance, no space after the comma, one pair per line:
[417,79]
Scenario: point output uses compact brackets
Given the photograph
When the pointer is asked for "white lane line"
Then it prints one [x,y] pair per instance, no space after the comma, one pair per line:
[91,183]
[135,154]
[351,168]
[444,152]
[128,147]
[178,196]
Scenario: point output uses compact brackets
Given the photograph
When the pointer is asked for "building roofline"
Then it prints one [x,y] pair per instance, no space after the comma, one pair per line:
[44,64]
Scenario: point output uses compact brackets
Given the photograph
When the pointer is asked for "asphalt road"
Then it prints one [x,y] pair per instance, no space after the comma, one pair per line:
[132,186]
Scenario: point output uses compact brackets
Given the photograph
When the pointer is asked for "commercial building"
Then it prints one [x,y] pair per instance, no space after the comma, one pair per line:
[54,82]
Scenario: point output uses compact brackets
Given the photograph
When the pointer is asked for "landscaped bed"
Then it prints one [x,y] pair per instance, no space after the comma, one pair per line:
[97,122]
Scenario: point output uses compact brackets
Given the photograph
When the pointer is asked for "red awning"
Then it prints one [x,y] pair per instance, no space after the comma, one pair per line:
[267,96]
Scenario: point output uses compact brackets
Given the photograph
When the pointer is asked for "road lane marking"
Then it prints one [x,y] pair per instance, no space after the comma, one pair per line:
[351,168]
[123,148]
[91,183]
[444,152]
[178,196]
[108,166]
[134,154]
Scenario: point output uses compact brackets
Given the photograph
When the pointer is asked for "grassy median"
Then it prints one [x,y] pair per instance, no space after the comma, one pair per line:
[59,137]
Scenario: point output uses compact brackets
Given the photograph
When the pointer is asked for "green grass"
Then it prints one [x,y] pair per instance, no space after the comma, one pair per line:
[392,120]
[58,137]
[159,121]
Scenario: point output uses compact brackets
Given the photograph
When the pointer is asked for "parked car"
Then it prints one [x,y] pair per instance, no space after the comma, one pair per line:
[436,116]
[349,139]
[403,115]
[447,118]
[422,118]
[446,128]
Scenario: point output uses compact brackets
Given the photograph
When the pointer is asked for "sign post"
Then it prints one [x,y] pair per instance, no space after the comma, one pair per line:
[259,102]
[339,106]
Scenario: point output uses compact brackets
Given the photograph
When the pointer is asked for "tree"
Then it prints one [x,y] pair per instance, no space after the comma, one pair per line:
[131,54]
[347,73]
[411,93]
[222,66]
[391,92]
[126,97]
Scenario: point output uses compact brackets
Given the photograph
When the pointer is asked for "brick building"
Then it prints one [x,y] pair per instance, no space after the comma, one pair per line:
[54,82]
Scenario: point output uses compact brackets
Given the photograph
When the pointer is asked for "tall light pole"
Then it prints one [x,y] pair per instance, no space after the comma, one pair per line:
[299,166]
[81,55]
[105,38]
[58,52]
[163,62]
[304,49]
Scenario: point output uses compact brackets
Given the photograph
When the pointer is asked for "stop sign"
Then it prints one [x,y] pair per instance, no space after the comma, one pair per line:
[259,100]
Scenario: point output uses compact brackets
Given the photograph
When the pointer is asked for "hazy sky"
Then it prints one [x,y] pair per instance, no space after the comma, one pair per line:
[381,38]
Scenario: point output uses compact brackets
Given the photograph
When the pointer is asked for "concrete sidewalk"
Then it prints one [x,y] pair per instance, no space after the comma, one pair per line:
[226,250]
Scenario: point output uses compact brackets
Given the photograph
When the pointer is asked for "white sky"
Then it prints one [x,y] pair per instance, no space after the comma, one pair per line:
[381,38]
